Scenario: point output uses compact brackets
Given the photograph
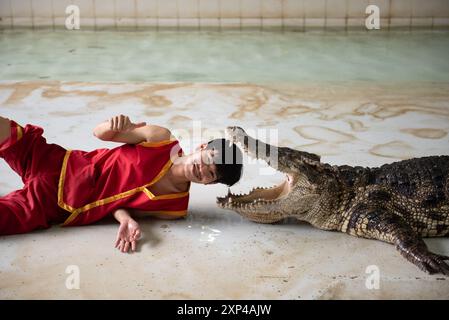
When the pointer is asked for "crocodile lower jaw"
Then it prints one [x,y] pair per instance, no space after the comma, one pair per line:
[257,197]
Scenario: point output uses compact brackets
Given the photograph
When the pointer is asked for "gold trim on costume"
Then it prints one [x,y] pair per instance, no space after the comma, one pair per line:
[61,202]
[75,212]
[156,144]
[19,132]
[169,212]
[165,196]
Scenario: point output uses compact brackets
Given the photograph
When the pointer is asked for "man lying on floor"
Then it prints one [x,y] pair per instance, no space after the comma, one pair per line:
[147,175]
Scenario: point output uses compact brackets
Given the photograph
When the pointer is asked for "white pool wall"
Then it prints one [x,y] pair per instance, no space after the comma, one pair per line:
[237,14]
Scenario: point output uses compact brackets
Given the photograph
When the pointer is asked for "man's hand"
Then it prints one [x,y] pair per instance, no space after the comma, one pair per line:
[127,236]
[128,232]
[122,123]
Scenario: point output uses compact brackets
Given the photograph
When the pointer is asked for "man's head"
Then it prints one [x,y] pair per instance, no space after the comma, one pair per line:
[218,161]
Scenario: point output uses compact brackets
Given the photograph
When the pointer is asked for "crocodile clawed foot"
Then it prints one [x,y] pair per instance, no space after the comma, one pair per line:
[443,257]
[434,263]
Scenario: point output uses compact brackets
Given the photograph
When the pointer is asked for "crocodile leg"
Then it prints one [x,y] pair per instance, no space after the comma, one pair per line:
[377,223]
[282,158]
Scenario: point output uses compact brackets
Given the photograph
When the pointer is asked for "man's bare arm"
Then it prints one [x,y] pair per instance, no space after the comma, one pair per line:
[121,129]
[5,129]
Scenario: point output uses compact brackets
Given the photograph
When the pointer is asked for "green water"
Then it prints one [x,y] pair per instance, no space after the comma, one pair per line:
[257,57]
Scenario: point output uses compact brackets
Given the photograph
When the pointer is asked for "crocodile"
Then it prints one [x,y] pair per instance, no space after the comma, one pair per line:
[399,203]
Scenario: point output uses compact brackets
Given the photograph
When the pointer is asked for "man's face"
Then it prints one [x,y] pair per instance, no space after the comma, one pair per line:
[200,167]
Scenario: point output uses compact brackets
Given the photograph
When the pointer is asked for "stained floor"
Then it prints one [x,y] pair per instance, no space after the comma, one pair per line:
[214,253]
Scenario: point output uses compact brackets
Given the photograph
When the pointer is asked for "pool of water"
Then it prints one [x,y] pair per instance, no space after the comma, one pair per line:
[249,56]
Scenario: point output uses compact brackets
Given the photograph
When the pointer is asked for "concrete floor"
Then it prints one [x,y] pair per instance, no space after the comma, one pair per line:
[214,253]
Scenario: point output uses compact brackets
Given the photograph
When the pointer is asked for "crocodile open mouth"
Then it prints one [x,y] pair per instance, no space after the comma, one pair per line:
[257,197]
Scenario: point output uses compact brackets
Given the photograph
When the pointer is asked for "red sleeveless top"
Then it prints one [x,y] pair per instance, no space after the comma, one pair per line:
[94,184]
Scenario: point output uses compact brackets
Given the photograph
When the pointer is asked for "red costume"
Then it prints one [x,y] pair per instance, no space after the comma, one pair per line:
[77,187]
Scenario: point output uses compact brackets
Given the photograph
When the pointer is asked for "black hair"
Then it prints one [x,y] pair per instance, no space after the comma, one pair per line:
[228,160]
